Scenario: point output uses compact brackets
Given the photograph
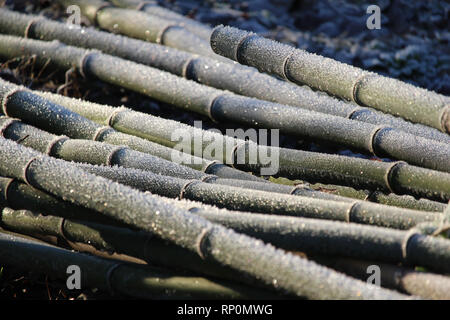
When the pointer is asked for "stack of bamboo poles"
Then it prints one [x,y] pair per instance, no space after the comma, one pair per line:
[102,180]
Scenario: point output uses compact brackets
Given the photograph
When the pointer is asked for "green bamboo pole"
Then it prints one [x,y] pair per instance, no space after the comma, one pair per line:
[404,201]
[339,79]
[423,284]
[339,239]
[236,198]
[223,106]
[18,195]
[23,104]
[344,240]
[152,7]
[236,78]
[141,25]
[309,166]
[80,150]
[117,240]
[210,241]
[114,276]
[93,152]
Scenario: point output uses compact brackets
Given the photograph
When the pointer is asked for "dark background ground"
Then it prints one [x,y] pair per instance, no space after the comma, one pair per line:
[412,45]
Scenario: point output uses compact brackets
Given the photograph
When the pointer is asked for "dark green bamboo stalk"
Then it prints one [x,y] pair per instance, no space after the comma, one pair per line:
[236,198]
[93,152]
[223,106]
[309,166]
[115,276]
[18,195]
[363,242]
[23,104]
[339,239]
[111,239]
[423,284]
[141,25]
[236,78]
[378,197]
[56,118]
[339,79]
[210,241]
[40,112]
[152,7]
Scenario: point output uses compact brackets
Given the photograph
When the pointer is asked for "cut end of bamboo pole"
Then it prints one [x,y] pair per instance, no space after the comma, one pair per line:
[225,41]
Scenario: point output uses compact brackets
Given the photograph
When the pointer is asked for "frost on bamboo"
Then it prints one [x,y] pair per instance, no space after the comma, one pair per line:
[293,274]
[236,78]
[222,106]
[339,79]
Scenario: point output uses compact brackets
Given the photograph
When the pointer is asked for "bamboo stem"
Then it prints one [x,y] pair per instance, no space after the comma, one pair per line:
[404,201]
[210,241]
[222,106]
[235,198]
[18,195]
[236,78]
[339,239]
[423,284]
[93,152]
[151,7]
[142,245]
[141,25]
[339,79]
[307,235]
[24,104]
[116,277]
[309,166]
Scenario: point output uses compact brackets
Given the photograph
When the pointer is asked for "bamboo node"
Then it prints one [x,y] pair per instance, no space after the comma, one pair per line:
[6,125]
[348,213]
[30,25]
[62,233]
[160,34]
[412,233]
[6,97]
[185,186]
[83,61]
[211,106]
[445,119]
[352,113]
[53,143]
[113,153]
[201,240]
[356,86]
[108,276]
[186,67]
[100,131]
[286,67]
[6,190]
[27,167]
[209,165]
[240,43]
[110,120]
[372,137]
[388,176]
[97,10]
